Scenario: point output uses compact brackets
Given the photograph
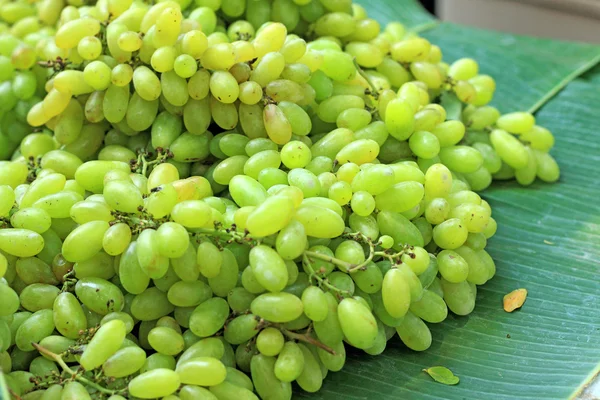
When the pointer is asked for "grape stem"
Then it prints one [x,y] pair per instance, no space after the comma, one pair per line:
[336,261]
[366,77]
[307,339]
[74,374]
[323,281]
[141,164]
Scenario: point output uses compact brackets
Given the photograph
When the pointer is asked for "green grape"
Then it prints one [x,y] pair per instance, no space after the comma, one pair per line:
[547,168]
[314,301]
[239,299]
[329,330]
[277,307]
[157,382]
[104,344]
[185,266]
[165,340]
[269,268]
[75,390]
[151,304]
[291,240]
[32,330]
[208,347]
[131,275]
[227,277]
[174,88]
[399,228]
[414,333]
[459,297]
[68,315]
[362,203]
[98,75]
[21,242]
[366,225]
[265,382]
[189,147]
[123,316]
[38,296]
[452,266]
[42,367]
[271,216]
[450,234]
[320,222]
[509,148]
[269,342]
[270,176]
[290,362]
[241,329]
[333,362]
[124,362]
[474,217]
[158,360]
[198,85]
[311,378]
[209,317]
[430,308]
[295,154]
[116,239]
[99,295]
[478,270]
[395,293]
[33,219]
[34,270]
[340,192]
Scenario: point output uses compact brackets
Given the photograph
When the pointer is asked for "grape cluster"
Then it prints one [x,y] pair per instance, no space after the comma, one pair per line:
[211,200]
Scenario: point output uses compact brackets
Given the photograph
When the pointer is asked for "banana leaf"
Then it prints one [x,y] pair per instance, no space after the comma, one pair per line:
[548,240]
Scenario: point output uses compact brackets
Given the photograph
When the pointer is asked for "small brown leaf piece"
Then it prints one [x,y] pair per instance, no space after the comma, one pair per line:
[442,375]
[514,300]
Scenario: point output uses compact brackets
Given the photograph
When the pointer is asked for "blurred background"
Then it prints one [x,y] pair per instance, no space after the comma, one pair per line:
[556,19]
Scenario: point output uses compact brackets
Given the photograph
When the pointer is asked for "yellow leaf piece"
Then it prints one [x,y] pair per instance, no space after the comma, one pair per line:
[442,375]
[514,299]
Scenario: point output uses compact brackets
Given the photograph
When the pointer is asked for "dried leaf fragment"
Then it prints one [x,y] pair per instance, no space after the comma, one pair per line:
[514,299]
[442,375]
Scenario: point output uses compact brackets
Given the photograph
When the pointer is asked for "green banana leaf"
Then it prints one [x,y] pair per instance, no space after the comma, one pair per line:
[548,240]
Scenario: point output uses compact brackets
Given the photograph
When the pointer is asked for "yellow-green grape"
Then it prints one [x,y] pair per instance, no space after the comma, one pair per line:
[157,382]
[414,333]
[69,34]
[270,342]
[89,48]
[465,91]
[538,138]
[129,41]
[463,69]
[277,307]
[163,59]
[509,148]
[459,297]
[547,167]
[218,57]
[277,126]
[185,66]
[146,83]
[124,362]
[106,341]
[98,75]
[484,87]
[270,38]
[516,122]
[168,25]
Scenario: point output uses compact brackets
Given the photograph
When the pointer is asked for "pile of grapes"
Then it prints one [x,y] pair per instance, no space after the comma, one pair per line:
[214,200]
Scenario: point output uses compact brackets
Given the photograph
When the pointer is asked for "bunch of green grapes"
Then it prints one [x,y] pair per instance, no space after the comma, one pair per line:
[21,79]
[214,199]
